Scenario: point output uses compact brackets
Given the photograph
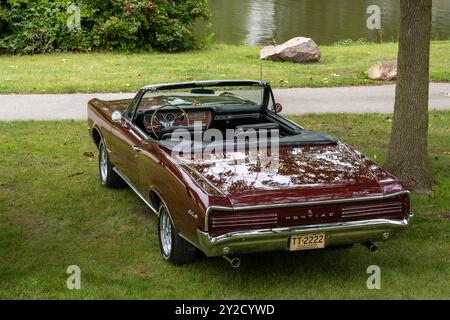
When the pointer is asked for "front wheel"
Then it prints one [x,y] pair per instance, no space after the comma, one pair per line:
[108,176]
[174,248]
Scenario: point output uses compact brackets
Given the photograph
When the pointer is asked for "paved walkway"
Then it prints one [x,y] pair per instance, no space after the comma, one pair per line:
[294,101]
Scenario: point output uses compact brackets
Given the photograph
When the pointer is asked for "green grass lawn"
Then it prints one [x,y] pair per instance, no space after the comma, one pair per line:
[112,72]
[54,213]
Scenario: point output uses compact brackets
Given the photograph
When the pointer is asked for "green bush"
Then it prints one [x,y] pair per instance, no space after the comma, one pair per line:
[38,26]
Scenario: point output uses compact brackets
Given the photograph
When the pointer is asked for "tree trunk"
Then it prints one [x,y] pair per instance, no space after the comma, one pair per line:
[408,149]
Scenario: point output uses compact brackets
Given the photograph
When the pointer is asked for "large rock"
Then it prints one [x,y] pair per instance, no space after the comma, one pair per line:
[383,70]
[299,49]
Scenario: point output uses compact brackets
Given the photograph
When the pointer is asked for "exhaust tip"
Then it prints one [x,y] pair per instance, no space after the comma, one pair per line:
[234,262]
[373,248]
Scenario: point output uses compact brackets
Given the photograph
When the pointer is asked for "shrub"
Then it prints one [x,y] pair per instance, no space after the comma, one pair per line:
[37,26]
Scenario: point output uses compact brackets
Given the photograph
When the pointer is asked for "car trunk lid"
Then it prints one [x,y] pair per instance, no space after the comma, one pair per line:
[293,175]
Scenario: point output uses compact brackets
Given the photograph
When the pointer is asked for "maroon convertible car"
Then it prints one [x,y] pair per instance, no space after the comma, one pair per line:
[227,174]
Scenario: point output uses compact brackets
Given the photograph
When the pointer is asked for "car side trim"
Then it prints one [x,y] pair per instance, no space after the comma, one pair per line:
[300,204]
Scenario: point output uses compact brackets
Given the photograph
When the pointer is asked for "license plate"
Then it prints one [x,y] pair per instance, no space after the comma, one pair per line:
[307,241]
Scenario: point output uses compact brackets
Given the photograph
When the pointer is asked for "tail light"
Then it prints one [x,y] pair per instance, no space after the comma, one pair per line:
[395,207]
[222,221]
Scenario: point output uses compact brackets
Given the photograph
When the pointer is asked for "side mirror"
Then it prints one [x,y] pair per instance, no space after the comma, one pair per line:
[116,116]
[278,107]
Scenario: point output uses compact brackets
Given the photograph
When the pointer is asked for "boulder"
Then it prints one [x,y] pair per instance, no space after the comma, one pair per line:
[383,70]
[299,50]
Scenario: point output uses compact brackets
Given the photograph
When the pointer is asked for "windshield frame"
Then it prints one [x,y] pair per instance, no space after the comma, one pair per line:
[133,108]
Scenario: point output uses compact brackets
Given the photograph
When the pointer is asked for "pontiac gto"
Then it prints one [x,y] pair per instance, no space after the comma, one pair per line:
[227,174]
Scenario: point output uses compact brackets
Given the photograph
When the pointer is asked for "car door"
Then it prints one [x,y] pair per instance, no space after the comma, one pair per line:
[126,146]
[152,172]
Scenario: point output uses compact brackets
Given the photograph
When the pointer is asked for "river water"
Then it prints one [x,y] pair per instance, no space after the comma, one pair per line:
[260,22]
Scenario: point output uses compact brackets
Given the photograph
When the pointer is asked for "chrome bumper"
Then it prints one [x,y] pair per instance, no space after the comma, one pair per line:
[277,239]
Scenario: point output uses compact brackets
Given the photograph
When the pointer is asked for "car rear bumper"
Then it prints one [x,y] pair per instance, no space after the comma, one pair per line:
[277,239]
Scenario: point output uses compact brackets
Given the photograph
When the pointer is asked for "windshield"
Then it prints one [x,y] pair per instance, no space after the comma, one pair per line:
[206,96]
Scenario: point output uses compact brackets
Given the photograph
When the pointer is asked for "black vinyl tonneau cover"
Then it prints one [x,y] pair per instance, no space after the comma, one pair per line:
[308,138]
[304,138]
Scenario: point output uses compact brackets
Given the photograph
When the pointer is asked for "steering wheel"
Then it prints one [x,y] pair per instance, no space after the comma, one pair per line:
[167,124]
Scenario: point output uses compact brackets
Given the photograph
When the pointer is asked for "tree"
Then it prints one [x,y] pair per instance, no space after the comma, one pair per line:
[408,149]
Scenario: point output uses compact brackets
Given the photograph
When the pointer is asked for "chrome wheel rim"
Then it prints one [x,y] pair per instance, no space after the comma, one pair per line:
[103,164]
[165,233]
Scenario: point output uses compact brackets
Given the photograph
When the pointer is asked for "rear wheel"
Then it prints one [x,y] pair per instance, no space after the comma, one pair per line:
[174,248]
[108,176]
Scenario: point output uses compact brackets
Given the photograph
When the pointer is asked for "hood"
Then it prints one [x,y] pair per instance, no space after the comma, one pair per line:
[294,174]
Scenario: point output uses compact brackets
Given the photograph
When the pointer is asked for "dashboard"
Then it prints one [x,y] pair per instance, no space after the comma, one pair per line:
[177,118]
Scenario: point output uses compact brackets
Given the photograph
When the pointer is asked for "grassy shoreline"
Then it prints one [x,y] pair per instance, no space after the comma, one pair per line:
[54,213]
[341,65]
